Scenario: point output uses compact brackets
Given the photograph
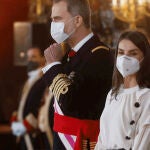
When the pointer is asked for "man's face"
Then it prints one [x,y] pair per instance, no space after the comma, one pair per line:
[34,55]
[61,14]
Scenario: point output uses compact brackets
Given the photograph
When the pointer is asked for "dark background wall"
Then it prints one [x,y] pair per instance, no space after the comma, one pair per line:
[11,77]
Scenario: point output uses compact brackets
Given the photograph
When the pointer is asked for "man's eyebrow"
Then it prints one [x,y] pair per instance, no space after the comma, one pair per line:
[120,49]
[55,17]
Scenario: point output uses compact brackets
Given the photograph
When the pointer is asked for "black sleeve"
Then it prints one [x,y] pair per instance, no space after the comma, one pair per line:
[34,98]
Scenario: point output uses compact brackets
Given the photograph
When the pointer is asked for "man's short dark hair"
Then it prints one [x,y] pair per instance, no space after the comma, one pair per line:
[39,49]
[79,7]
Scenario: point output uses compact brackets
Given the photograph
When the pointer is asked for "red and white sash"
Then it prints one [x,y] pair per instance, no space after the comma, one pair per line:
[67,140]
[73,132]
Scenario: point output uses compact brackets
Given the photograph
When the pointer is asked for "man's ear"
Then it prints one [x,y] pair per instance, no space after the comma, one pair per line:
[78,20]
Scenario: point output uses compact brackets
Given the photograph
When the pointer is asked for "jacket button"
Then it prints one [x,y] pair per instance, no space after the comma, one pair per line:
[127,138]
[137,104]
[132,122]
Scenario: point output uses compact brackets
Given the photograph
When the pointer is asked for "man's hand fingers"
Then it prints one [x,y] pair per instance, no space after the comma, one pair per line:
[53,53]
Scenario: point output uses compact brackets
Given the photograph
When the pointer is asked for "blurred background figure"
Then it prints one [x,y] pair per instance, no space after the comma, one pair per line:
[44,121]
[24,122]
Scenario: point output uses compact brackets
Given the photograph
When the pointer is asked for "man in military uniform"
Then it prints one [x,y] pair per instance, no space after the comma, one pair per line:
[80,85]
[24,121]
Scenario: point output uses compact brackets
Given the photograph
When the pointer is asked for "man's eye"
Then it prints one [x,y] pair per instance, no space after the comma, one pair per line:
[133,54]
[120,53]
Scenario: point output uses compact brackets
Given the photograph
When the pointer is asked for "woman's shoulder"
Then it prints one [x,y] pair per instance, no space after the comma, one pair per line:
[143,92]
[110,97]
[129,91]
[143,96]
[109,94]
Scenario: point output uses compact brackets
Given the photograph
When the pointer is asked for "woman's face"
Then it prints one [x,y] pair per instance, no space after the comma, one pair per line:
[128,48]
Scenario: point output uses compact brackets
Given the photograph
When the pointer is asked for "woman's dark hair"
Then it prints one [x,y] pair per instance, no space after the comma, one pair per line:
[143,75]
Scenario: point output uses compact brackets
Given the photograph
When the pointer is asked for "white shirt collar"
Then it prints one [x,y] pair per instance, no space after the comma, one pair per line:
[82,42]
[34,73]
[128,90]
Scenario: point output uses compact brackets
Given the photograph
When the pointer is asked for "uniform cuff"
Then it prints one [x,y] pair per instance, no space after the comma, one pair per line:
[47,67]
[30,122]
[13,117]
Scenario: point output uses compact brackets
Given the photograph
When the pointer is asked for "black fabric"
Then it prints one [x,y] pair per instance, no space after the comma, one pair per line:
[34,97]
[58,145]
[33,103]
[40,142]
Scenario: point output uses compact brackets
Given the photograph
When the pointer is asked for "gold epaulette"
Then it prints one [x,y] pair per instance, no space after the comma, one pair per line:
[99,47]
[60,85]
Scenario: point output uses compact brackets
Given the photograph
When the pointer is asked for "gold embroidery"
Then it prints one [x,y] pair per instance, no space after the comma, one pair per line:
[92,145]
[99,47]
[62,90]
[85,143]
[56,79]
[61,81]
[60,85]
